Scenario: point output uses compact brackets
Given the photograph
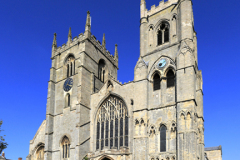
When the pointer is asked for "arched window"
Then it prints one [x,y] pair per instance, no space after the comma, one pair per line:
[70,66]
[170,79]
[163,33]
[112,124]
[40,153]
[156,82]
[163,130]
[101,70]
[174,25]
[65,147]
[67,101]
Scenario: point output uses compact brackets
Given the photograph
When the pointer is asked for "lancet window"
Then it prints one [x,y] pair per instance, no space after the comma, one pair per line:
[65,148]
[67,101]
[163,33]
[156,82]
[112,124]
[40,153]
[170,79]
[70,65]
[163,130]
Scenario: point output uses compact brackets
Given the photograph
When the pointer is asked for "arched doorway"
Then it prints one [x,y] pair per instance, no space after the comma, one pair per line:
[106,158]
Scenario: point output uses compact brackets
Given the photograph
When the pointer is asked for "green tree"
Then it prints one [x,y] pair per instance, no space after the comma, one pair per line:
[3,144]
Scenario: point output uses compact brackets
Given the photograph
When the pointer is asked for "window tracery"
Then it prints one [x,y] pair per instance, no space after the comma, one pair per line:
[112,117]
[163,33]
[40,153]
[70,64]
[65,147]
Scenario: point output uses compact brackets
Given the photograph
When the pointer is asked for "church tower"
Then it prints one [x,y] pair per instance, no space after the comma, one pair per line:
[168,47]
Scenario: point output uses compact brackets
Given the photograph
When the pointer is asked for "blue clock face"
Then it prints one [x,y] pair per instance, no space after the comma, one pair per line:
[68,84]
[162,63]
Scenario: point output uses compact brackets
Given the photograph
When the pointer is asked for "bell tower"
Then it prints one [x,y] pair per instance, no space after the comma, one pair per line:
[168,48]
[79,68]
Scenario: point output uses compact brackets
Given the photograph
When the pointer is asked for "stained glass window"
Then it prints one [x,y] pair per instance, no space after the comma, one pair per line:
[112,117]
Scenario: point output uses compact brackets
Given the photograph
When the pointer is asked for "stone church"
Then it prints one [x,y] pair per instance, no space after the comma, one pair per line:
[91,115]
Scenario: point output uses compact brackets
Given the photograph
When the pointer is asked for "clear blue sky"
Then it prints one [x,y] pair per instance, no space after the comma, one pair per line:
[26,34]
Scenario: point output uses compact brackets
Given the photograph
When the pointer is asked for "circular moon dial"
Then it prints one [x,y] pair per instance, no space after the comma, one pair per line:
[68,84]
[162,63]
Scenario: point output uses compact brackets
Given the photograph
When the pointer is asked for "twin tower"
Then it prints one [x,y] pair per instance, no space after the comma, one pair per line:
[157,116]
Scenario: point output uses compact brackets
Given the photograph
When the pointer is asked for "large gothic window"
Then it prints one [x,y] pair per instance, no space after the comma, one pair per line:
[163,33]
[112,124]
[101,70]
[40,153]
[163,130]
[70,65]
[65,147]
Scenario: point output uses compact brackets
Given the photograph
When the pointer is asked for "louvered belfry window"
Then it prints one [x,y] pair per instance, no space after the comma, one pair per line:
[112,124]
[163,33]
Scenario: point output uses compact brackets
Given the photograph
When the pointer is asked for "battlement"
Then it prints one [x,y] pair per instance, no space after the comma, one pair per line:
[154,9]
[80,39]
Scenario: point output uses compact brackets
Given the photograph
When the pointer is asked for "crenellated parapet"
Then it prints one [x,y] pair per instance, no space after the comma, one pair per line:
[154,9]
[80,39]
[103,50]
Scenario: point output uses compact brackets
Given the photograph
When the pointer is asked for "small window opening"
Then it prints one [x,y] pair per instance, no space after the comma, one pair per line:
[67,101]
[101,70]
[170,79]
[163,130]
[156,82]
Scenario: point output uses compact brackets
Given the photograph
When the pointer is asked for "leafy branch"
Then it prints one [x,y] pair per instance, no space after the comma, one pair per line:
[3,144]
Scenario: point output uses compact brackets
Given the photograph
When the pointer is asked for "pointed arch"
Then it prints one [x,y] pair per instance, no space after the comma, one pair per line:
[67,100]
[105,157]
[163,33]
[174,25]
[163,138]
[102,70]
[69,63]
[65,147]
[112,128]
[40,153]
[150,35]
[170,78]
[156,82]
